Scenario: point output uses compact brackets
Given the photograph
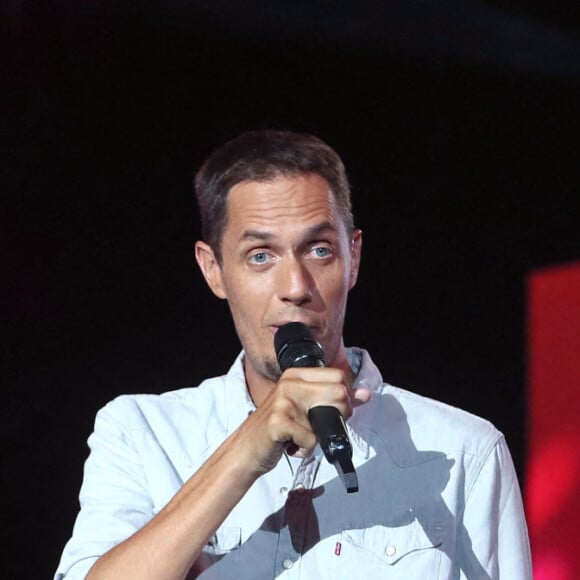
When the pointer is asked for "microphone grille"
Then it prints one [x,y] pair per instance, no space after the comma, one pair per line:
[296,347]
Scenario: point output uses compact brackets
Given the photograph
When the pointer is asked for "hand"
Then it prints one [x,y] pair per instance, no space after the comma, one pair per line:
[281,422]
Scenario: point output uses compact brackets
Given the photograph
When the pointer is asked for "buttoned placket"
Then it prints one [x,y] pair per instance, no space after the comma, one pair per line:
[296,515]
[296,490]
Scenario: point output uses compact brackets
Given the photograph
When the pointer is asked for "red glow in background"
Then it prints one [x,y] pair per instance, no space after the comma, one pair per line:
[553,476]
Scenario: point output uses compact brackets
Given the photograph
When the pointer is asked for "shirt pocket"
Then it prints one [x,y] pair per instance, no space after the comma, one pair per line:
[407,551]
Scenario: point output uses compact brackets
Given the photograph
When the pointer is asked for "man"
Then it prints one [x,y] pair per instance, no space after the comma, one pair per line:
[227,480]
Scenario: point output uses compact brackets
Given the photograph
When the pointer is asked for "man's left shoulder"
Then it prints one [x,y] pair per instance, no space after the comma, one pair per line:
[435,424]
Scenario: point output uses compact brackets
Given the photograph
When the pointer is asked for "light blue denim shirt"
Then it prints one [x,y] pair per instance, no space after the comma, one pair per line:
[438,496]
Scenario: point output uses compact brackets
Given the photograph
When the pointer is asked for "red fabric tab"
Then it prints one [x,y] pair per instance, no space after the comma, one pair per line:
[337,549]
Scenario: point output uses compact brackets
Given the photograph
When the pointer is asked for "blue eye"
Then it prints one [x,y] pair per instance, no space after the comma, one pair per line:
[321,251]
[259,258]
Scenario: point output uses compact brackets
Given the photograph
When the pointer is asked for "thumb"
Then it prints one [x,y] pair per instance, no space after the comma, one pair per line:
[361,396]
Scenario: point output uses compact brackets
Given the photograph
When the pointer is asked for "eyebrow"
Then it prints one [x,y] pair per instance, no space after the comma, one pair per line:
[311,232]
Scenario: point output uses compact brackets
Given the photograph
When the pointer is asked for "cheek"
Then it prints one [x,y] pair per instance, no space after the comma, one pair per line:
[247,307]
[336,286]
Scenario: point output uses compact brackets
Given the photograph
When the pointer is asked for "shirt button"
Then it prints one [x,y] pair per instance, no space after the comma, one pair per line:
[299,488]
[391,551]
[287,563]
[284,490]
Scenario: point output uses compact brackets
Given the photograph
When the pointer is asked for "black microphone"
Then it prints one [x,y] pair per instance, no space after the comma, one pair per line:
[296,347]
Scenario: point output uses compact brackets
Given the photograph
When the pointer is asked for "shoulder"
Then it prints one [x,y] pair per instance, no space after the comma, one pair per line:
[436,425]
[138,411]
[214,408]
[422,422]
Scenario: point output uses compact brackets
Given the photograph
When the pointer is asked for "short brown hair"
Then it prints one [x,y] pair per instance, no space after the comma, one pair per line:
[264,156]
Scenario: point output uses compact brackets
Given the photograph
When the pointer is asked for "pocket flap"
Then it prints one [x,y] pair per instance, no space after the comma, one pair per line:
[393,544]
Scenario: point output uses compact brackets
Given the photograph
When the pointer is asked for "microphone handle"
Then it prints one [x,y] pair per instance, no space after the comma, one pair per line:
[295,347]
[330,429]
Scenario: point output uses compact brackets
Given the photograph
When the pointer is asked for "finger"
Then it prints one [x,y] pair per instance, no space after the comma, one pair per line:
[361,396]
[315,374]
[307,394]
[301,441]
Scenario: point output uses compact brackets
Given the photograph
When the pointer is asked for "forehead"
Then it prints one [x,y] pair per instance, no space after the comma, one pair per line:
[285,203]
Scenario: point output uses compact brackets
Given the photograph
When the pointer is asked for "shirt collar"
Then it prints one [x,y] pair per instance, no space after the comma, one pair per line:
[236,399]
[368,376]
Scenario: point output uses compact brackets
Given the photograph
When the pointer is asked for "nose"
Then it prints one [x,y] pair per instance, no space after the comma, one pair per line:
[295,282]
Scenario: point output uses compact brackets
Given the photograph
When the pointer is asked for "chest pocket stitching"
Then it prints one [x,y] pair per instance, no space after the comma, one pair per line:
[405,540]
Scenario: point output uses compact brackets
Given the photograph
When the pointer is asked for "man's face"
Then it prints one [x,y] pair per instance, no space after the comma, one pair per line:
[286,256]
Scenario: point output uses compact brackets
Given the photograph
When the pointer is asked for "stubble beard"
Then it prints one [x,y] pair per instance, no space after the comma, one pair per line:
[267,367]
[272,370]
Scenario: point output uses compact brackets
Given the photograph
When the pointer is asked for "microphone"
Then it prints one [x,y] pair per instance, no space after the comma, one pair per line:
[296,347]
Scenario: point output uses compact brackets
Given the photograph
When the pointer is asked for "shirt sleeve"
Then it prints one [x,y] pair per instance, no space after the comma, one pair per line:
[494,535]
[114,498]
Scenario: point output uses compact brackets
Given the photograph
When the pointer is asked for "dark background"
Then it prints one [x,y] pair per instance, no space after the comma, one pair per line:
[458,124]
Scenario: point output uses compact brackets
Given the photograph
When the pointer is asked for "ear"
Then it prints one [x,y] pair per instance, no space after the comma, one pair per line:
[210,268]
[355,256]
